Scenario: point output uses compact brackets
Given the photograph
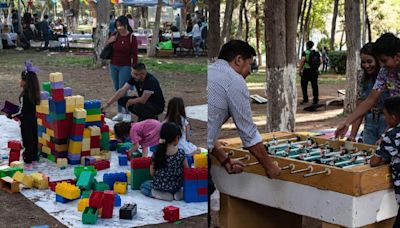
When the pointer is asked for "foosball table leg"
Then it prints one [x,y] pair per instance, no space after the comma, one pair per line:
[238,213]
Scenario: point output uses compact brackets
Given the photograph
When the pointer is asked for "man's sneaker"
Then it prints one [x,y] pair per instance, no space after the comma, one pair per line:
[127,118]
[118,117]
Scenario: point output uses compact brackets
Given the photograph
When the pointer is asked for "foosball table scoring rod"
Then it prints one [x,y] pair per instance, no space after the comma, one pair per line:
[309,169]
[326,171]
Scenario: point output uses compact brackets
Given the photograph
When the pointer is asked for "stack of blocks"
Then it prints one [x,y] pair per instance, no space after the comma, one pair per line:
[62,122]
[140,171]
[112,178]
[195,185]
[76,137]
[66,192]
[93,117]
[15,151]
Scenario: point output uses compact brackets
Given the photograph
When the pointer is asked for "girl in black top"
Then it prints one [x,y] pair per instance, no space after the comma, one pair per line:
[29,98]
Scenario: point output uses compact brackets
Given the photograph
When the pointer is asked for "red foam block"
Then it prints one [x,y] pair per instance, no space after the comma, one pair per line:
[15,145]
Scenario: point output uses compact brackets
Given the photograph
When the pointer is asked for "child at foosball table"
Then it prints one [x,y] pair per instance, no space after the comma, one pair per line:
[389,146]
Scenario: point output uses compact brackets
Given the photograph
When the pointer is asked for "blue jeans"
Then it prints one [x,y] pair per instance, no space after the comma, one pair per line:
[145,188]
[196,42]
[373,128]
[120,75]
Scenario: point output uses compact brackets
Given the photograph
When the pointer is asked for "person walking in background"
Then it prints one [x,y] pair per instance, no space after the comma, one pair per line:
[325,59]
[124,56]
[196,38]
[309,65]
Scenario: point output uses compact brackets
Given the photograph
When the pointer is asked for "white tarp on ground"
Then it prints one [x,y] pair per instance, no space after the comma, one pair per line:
[198,112]
[149,211]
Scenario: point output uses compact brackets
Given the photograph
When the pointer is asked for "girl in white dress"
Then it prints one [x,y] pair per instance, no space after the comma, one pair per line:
[176,114]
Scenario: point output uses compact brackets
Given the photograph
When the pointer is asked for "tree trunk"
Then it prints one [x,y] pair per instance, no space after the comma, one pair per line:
[213,37]
[364,23]
[182,24]
[341,39]
[246,19]
[306,22]
[75,18]
[368,22]
[280,33]
[352,21]
[151,51]
[101,31]
[300,3]
[300,35]
[240,25]
[333,29]
[226,28]
[258,35]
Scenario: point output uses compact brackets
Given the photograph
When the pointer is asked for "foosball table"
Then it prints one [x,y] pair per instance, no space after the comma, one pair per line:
[327,180]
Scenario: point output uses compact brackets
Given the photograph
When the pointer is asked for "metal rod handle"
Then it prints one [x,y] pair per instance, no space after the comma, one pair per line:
[290,166]
[309,169]
[326,171]
[246,157]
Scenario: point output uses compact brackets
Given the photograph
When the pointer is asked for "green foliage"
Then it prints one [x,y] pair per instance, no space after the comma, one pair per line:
[337,61]
[323,43]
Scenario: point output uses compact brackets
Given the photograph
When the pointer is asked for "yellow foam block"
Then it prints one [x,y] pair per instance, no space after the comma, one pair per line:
[70,108]
[106,155]
[17,164]
[46,137]
[40,181]
[79,100]
[74,147]
[79,113]
[50,132]
[28,181]
[95,152]
[46,150]
[39,121]
[41,141]
[44,103]
[86,144]
[46,110]
[62,162]
[79,105]
[93,118]
[86,133]
[18,176]
[68,191]
[128,174]
[62,147]
[120,187]
[56,77]
[70,100]
[200,160]
[94,131]
[82,204]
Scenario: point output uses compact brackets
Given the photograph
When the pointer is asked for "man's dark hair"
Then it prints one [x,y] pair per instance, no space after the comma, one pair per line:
[46,16]
[234,48]
[392,106]
[387,44]
[139,67]
[129,16]
[310,44]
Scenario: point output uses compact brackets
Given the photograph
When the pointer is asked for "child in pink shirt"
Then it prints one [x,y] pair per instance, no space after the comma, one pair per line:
[145,133]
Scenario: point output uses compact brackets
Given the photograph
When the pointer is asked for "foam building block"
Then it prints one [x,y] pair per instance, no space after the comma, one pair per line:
[123,160]
[140,171]
[18,176]
[195,185]
[56,77]
[171,213]
[89,215]
[9,185]
[62,163]
[68,191]
[79,113]
[85,180]
[95,199]
[53,184]
[117,201]
[200,160]
[128,211]
[15,145]
[120,187]
[111,178]
[40,180]
[108,204]
[82,204]
[17,164]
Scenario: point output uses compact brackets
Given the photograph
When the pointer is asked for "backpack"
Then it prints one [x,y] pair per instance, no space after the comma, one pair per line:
[314,59]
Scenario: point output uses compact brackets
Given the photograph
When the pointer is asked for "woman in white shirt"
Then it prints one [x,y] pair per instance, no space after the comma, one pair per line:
[196,38]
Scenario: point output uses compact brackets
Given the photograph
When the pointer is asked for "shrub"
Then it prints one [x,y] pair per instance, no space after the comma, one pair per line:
[337,61]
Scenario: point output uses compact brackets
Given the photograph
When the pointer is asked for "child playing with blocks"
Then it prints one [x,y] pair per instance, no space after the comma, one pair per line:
[176,114]
[389,147]
[167,166]
[29,98]
[145,133]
